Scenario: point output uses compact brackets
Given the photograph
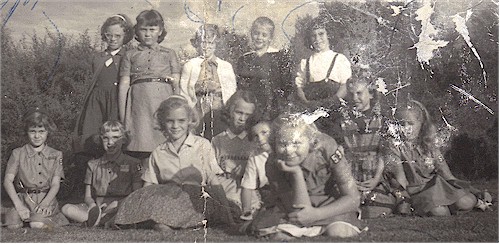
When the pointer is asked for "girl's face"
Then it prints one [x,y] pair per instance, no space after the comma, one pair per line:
[37,135]
[240,114]
[261,36]
[148,35]
[207,45]
[177,124]
[361,96]
[112,142]
[292,146]
[410,125]
[114,37]
[261,133]
[319,40]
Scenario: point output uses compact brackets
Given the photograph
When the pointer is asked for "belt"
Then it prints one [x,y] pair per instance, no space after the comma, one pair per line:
[161,80]
[34,191]
[204,93]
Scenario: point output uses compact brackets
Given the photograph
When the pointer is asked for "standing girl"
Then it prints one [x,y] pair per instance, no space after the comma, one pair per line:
[312,181]
[208,81]
[321,78]
[420,168]
[265,70]
[148,75]
[179,171]
[101,100]
[37,170]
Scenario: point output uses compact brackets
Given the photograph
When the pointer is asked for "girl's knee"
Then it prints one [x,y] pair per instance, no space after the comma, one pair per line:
[340,229]
[466,202]
[440,211]
[37,225]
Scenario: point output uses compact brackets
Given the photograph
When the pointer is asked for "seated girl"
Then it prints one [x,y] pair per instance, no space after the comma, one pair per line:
[37,170]
[417,164]
[308,174]
[179,171]
[108,180]
[254,177]
[361,124]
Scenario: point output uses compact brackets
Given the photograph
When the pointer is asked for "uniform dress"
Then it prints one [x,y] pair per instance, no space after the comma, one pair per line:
[322,175]
[208,84]
[363,149]
[145,65]
[34,172]
[268,77]
[101,101]
[320,76]
[233,151]
[111,180]
[426,185]
[178,179]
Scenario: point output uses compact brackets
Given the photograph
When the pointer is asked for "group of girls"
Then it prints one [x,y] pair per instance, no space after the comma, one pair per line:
[205,144]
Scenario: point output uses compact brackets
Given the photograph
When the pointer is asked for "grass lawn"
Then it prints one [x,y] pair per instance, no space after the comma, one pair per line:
[473,226]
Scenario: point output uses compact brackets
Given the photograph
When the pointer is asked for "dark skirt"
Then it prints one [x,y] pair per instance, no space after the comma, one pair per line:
[175,206]
[436,192]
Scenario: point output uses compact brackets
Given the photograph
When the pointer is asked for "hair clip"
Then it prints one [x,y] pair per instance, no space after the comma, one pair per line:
[121,17]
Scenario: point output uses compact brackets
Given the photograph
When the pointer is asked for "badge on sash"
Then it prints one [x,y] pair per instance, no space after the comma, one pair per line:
[124,168]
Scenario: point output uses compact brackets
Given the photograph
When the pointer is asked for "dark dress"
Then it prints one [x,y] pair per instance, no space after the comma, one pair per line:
[269,77]
[101,102]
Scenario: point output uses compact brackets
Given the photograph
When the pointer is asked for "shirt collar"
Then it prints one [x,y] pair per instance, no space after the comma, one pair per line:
[113,53]
[155,47]
[190,141]
[231,135]
[31,151]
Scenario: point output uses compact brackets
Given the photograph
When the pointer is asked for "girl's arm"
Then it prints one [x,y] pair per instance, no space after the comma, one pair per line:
[175,82]
[8,184]
[300,194]
[342,92]
[122,95]
[43,207]
[442,167]
[88,197]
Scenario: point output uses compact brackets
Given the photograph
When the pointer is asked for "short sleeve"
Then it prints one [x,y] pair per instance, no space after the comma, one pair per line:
[301,73]
[342,69]
[88,175]
[175,67]
[249,180]
[149,174]
[125,64]
[13,163]
[59,171]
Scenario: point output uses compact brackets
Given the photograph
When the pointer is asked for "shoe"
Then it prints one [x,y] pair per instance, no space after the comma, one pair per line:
[94,216]
[161,227]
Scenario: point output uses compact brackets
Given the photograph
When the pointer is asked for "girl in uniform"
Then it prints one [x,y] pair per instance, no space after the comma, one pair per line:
[149,74]
[108,179]
[37,170]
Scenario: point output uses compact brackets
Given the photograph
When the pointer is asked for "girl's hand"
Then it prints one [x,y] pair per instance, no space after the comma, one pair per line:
[290,169]
[43,209]
[368,185]
[23,212]
[238,171]
[304,215]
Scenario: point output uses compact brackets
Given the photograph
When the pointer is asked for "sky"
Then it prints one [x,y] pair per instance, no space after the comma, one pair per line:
[182,17]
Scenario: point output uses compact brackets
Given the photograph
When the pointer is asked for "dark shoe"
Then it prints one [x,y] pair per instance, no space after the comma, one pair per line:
[94,216]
